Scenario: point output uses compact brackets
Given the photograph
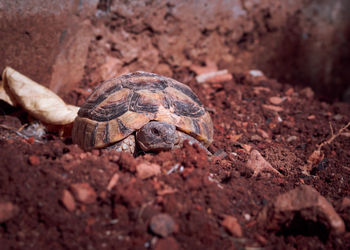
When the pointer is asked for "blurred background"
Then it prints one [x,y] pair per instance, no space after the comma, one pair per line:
[61,44]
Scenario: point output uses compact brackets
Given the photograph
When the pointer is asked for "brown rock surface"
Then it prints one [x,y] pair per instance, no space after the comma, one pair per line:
[46,40]
[303,201]
[295,37]
[280,39]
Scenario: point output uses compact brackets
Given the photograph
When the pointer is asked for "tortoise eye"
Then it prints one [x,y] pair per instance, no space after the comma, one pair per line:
[155,131]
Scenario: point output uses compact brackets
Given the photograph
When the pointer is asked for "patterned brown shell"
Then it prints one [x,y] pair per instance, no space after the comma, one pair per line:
[122,105]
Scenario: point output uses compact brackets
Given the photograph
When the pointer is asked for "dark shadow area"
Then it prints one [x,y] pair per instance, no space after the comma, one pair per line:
[313,49]
[300,226]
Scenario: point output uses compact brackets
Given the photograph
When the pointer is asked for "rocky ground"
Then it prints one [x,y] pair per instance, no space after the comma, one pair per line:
[279,173]
[260,189]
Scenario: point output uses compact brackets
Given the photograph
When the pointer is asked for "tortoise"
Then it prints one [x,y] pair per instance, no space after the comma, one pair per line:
[142,111]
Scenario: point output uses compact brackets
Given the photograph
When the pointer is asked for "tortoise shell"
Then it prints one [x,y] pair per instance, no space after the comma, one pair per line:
[122,105]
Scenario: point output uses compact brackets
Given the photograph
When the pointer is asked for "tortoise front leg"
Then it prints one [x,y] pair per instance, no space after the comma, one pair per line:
[126,145]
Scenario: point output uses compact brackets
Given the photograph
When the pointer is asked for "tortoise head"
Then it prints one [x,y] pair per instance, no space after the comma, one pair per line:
[156,136]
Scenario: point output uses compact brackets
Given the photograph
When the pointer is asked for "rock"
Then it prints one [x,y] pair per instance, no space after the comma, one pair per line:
[214,77]
[305,204]
[263,133]
[235,137]
[256,73]
[220,78]
[84,193]
[338,117]
[232,225]
[34,160]
[258,164]
[7,211]
[259,89]
[256,138]
[53,37]
[168,243]
[261,239]
[113,182]
[162,225]
[272,107]
[289,91]
[67,200]
[145,170]
[307,92]
[292,138]
[275,100]
[247,147]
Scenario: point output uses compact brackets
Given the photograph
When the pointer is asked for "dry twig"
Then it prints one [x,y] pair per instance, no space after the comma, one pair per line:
[317,155]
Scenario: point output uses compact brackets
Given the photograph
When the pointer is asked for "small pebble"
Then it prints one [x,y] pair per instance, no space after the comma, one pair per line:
[67,200]
[289,91]
[275,100]
[338,117]
[256,73]
[256,138]
[7,211]
[262,240]
[113,182]
[247,147]
[217,76]
[84,193]
[232,225]
[292,138]
[220,78]
[82,156]
[34,160]
[263,133]
[258,90]
[162,225]
[308,92]
[247,217]
[145,170]
[258,164]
